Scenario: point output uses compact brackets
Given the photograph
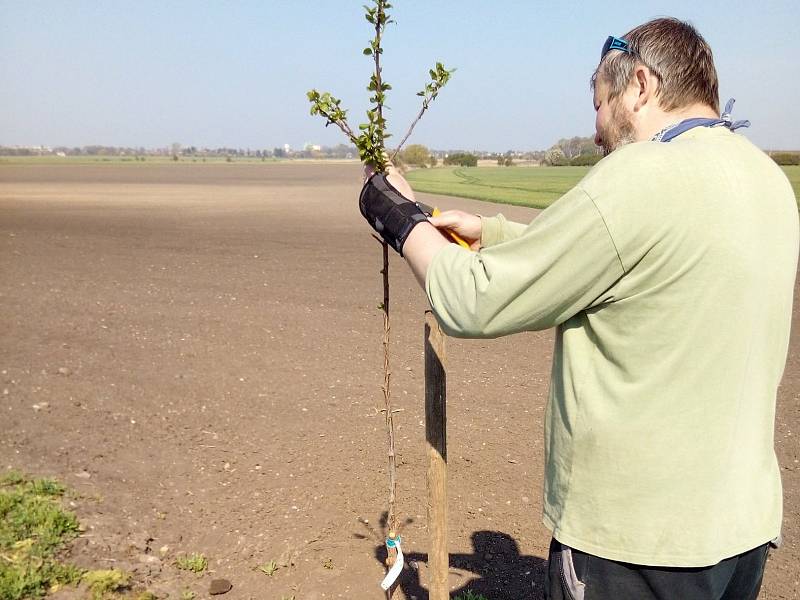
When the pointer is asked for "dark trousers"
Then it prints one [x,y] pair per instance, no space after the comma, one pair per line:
[575,575]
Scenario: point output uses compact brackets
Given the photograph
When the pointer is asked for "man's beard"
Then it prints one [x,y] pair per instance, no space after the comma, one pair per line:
[619,130]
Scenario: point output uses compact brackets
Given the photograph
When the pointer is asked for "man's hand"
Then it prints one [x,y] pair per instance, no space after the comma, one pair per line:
[467,226]
[393,213]
[395,178]
[388,211]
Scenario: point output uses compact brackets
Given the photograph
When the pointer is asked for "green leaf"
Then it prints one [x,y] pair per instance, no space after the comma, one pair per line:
[367,51]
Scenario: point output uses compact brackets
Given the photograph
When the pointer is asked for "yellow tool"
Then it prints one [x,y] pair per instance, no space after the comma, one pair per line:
[454,236]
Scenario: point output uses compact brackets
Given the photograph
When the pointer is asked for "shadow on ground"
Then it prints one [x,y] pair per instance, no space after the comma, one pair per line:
[495,569]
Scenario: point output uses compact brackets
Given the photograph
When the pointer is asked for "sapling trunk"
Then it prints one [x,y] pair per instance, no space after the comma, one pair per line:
[377,50]
[391,520]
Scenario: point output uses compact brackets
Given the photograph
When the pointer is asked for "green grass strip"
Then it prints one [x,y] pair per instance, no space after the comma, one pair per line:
[33,526]
[536,187]
[793,173]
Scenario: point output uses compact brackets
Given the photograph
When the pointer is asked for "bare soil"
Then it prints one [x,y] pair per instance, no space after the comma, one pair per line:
[195,350]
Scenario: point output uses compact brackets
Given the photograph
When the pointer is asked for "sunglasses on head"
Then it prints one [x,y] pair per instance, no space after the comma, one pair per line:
[615,43]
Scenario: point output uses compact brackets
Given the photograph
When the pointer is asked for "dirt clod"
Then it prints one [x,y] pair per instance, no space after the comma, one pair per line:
[219,586]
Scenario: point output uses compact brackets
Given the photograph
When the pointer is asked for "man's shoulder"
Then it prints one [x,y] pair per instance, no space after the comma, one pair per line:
[710,178]
[628,159]
[629,170]
[649,169]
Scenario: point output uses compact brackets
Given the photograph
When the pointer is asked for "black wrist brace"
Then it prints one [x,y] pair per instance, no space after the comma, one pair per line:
[389,213]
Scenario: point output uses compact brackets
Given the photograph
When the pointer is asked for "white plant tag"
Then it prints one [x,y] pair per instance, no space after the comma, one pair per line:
[394,572]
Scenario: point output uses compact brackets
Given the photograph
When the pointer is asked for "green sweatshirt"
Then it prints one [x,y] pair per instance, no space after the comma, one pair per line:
[668,272]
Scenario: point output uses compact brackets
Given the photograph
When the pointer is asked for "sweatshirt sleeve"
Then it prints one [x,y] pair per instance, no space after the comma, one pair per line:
[563,262]
[499,229]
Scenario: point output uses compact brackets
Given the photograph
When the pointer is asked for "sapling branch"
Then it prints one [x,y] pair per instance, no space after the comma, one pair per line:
[439,78]
[328,106]
[372,136]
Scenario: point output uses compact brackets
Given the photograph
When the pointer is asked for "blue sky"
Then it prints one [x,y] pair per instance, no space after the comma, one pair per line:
[235,73]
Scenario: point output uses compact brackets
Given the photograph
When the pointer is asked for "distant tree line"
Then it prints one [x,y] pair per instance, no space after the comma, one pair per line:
[461,159]
[71,151]
[416,155]
[581,152]
[786,159]
[575,151]
[177,151]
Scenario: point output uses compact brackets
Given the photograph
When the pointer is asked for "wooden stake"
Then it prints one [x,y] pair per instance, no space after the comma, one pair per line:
[436,435]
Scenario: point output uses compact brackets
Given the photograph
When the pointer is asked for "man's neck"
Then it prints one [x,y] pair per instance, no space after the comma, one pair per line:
[661,119]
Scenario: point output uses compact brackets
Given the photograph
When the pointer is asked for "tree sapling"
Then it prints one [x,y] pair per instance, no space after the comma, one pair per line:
[370,143]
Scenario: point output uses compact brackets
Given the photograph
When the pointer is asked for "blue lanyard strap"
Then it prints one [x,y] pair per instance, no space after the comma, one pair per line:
[726,117]
[673,131]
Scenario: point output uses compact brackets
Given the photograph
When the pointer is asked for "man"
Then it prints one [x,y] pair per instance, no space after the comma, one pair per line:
[668,272]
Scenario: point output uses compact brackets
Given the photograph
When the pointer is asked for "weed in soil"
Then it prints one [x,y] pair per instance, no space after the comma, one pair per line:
[101,582]
[468,595]
[195,562]
[269,568]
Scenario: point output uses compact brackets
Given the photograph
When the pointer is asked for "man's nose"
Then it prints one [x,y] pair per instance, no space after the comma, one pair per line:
[598,141]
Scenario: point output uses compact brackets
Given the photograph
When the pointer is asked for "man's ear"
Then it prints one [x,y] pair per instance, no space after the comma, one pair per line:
[645,83]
